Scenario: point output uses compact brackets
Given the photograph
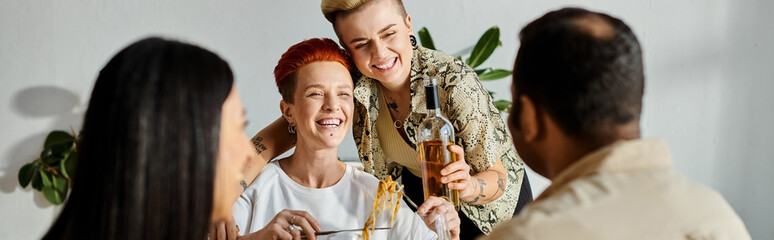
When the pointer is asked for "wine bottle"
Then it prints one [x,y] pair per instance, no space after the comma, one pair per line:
[435,135]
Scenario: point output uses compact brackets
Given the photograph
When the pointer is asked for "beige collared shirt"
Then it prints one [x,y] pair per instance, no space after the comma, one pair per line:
[628,190]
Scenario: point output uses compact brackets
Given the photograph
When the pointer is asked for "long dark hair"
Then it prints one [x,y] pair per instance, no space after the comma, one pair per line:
[149,146]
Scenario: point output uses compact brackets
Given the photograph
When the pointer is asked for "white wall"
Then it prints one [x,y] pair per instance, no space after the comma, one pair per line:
[708,66]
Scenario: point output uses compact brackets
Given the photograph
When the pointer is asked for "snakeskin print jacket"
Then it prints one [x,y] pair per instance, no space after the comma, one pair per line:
[466,103]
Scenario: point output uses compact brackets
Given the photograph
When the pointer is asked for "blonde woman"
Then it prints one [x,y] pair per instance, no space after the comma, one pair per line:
[389,105]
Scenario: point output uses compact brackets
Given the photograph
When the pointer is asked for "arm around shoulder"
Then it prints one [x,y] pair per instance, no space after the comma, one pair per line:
[269,143]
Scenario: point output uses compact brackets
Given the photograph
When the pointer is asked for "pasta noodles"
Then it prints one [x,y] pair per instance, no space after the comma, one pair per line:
[384,198]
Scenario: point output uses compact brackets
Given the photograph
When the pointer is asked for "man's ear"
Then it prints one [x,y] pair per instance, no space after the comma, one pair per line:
[529,119]
[286,113]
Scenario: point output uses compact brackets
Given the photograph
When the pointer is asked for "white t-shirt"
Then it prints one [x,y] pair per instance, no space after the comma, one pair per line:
[345,205]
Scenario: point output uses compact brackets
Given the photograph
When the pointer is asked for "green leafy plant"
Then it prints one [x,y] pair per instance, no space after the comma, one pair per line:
[50,173]
[481,52]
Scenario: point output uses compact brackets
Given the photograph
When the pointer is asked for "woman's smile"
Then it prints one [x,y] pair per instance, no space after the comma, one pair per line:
[386,65]
[330,123]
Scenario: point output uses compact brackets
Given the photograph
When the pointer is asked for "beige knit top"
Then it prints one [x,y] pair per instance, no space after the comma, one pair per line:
[395,148]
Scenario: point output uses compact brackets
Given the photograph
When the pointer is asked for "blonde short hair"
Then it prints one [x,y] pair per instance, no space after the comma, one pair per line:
[334,8]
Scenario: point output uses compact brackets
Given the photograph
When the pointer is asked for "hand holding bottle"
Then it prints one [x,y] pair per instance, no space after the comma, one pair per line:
[457,174]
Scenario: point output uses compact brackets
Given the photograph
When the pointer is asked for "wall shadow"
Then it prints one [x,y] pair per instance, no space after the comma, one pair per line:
[39,102]
[45,101]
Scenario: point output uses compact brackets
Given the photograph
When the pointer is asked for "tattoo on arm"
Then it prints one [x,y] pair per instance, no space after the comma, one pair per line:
[259,147]
[500,184]
[481,195]
[501,181]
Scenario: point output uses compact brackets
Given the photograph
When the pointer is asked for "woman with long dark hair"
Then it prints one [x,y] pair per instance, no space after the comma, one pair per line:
[162,147]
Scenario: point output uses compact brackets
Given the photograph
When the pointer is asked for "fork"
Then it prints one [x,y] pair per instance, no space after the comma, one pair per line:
[303,236]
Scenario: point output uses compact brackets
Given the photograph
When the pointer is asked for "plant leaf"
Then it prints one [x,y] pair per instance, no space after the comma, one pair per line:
[55,137]
[484,47]
[61,148]
[59,141]
[63,193]
[45,178]
[71,164]
[494,75]
[52,159]
[37,183]
[60,184]
[425,39]
[52,195]
[480,71]
[46,151]
[63,167]
[26,173]
[503,105]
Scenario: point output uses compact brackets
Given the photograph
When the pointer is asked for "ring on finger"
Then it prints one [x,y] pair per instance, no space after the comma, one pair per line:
[293,219]
[291,227]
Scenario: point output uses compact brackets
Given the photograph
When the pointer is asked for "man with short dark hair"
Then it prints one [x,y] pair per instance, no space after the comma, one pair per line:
[577,96]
